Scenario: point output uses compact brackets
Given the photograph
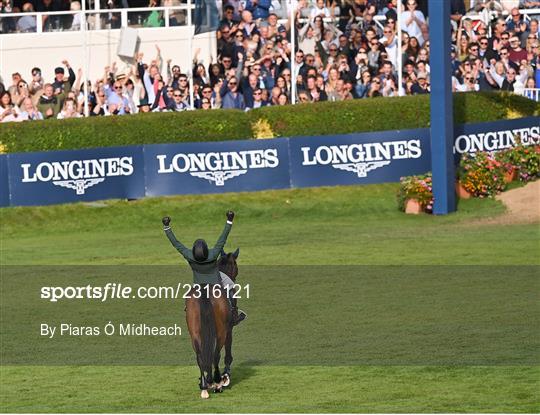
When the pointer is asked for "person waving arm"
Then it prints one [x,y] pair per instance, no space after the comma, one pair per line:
[223,237]
[186,252]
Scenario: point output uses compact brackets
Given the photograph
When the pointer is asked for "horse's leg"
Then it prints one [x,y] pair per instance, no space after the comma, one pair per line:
[221,315]
[193,319]
[228,357]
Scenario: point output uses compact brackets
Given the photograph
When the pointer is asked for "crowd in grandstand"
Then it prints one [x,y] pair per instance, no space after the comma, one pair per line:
[344,49]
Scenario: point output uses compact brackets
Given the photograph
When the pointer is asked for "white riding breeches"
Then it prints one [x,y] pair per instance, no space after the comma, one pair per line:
[226,281]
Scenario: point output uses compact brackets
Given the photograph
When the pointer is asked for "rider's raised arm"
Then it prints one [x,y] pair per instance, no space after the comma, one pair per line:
[223,237]
[186,253]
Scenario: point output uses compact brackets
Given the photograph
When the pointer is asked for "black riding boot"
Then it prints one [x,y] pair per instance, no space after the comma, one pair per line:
[237,315]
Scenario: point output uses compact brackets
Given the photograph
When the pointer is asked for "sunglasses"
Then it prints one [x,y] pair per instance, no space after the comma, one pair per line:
[333,50]
[232,83]
[257,69]
[257,93]
[177,96]
[183,80]
[117,87]
[207,91]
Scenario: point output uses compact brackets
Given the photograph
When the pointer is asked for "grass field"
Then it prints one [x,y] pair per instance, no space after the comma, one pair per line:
[459,345]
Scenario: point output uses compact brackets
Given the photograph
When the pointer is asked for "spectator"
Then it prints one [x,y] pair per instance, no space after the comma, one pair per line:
[516,54]
[178,102]
[50,104]
[27,24]
[36,84]
[259,8]
[60,84]
[412,20]
[421,86]
[231,97]
[258,101]
[117,103]
[29,111]
[8,111]
[69,110]
[516,24]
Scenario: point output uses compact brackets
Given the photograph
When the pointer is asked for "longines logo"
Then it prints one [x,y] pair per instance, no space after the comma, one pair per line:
[361,158]
[77,175]
[496,140]
[217,168]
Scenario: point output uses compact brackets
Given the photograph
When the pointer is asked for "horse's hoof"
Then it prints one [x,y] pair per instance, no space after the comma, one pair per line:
[226,380]
[218,390]
[204,394]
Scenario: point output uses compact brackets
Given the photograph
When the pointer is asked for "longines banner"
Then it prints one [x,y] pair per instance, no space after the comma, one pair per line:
[236,166]
[229,166]
[76,176]
[358,158]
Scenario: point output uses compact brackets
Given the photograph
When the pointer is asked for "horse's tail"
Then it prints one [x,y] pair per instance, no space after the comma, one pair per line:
[208,330]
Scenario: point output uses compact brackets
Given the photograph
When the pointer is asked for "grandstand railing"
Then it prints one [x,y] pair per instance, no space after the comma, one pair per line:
[96,19]
[531,93]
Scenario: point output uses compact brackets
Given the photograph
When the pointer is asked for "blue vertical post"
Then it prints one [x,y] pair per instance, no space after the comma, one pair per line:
[442,113]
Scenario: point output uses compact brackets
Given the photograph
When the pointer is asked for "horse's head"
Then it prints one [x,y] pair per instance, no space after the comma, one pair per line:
[227,263]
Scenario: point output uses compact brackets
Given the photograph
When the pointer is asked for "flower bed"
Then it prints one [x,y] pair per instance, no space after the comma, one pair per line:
[525,160]
[481,174]
[418,188]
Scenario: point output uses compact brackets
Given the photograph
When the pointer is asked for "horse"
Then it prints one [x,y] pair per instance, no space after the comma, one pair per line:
[209,321]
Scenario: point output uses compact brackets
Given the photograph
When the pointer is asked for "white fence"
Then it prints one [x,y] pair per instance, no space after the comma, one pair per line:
[532,93]
[95,19]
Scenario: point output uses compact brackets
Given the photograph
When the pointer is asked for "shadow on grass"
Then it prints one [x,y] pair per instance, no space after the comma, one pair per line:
[243,371]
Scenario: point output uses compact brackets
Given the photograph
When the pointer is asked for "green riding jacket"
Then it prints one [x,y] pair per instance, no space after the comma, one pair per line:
[206,272]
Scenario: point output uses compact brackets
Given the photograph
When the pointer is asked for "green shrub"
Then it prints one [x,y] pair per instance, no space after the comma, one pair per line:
[324,118]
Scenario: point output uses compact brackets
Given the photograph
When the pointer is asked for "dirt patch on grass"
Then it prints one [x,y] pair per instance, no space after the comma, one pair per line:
[522,204]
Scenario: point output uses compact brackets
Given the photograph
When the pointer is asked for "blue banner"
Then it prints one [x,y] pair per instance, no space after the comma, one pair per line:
[239,166]
[359,158]
[4,181]
[216,167]
[76,176]
[495,136]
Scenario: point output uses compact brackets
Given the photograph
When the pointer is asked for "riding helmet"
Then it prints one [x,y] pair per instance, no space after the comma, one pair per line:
[200,250]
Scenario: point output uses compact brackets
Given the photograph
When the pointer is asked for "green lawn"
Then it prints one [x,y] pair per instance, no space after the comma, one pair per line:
[424,335]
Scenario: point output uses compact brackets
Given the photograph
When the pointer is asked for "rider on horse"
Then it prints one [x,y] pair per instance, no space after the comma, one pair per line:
[204,262]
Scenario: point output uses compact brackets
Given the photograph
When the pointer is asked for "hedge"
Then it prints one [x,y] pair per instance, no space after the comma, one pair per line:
[324,118]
